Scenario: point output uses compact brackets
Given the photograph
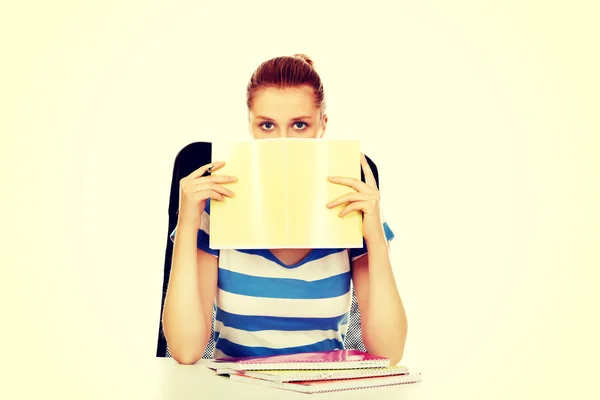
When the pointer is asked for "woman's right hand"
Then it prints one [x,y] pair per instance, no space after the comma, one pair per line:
[195,189]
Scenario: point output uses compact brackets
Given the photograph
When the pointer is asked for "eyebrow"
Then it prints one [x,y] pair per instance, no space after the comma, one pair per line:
[293,119]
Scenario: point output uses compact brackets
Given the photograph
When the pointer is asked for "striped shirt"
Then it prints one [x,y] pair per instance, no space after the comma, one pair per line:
[265,307]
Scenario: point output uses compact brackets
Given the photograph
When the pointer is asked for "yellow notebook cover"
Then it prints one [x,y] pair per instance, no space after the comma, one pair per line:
[281,194]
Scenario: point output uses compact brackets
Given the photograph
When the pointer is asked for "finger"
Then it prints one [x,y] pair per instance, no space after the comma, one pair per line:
[216,179]
[212,194]
[202,170]
[348,198]
[356,206]
[213,186]
[355,184]
[369,177]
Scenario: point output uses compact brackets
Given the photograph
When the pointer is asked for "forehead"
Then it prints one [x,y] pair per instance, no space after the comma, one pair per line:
[282,103]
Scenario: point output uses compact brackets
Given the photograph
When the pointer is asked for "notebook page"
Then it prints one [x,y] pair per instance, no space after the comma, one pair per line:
[281,194]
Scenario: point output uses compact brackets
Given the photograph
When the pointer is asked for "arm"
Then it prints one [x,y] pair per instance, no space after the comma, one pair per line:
[383,318]
[187,315]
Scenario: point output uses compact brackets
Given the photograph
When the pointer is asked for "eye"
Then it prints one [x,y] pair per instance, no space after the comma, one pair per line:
[267,126]
[300,125]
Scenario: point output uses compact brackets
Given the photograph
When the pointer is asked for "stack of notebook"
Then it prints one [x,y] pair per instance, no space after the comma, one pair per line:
[315,372]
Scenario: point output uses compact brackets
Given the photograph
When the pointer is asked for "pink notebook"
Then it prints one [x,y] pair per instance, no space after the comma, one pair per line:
[336,359]
[333,385]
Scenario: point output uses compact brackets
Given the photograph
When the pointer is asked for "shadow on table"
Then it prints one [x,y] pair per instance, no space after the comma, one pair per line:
[190,381]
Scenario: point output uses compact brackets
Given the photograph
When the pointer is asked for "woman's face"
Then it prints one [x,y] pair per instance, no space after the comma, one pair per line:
[286,113]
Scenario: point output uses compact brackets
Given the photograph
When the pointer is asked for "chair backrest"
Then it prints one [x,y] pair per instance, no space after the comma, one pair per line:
[190,158]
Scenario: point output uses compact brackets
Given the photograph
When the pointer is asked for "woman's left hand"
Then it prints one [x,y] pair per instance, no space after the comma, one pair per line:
[366,199]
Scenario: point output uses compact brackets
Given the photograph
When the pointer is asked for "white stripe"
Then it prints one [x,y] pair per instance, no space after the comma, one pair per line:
[274,339]
[256,265]
[205,222]
[343,329]
[260,306]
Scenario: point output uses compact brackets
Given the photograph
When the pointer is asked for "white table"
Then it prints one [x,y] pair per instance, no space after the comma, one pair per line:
[163,378]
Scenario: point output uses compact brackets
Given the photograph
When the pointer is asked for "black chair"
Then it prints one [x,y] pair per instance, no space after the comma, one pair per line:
[190,158]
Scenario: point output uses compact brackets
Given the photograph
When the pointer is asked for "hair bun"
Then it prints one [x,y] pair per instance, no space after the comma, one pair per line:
[306,58]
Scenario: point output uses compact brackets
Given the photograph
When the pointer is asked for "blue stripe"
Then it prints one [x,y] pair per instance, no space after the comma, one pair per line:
[314,254]
[236,350]
[259,323]
[389,234]
[283,288]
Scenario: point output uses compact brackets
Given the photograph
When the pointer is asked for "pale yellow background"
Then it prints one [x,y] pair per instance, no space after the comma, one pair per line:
[482,117]
[281,194]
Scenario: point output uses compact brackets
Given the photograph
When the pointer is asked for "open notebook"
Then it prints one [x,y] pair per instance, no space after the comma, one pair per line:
[332,385]
[281,194]
[324,360]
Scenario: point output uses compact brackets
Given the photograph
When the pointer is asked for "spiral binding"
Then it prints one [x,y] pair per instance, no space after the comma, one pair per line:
[314,364]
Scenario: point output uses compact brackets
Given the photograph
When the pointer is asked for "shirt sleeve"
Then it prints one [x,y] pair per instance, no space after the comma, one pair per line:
[357,253]
[203,233]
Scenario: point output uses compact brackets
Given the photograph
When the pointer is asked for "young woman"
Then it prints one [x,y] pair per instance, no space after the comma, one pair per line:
[285,300]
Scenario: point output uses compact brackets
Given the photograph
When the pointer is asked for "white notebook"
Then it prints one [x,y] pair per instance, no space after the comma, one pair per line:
[320,360]
[317,375]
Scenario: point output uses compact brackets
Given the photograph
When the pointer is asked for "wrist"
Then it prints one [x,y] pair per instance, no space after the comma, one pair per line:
[187,225]
[377,239]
